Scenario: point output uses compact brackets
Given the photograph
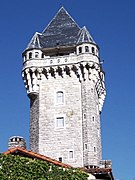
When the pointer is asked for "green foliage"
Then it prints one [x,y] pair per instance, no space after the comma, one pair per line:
[13,167]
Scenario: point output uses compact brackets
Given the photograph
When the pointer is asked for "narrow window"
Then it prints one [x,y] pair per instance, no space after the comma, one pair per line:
[86,49]
[94,149]
[93,50]
[93,118]
[84,115]
[71,155]
[80,49]
[85,146]
[42,55]
[60,97]
[60,159]
[30,55]
[60,122]
[36,54]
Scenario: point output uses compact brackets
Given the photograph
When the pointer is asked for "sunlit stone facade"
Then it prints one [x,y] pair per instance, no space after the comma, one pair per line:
[64,80]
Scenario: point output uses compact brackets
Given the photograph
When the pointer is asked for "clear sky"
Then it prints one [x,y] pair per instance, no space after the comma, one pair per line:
[112,25]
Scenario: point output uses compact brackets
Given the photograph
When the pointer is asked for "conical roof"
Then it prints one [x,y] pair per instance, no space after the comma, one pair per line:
[35,42]
[61,31]
[84,36]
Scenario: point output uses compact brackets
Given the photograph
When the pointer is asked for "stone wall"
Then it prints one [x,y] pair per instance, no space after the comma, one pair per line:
[34,123]
[82,83]
[58,142]
[91,124]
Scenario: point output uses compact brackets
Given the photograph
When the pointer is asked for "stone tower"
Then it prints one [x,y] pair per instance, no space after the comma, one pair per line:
[64,80]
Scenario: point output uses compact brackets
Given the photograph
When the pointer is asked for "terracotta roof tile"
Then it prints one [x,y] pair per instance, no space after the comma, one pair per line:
[24,152]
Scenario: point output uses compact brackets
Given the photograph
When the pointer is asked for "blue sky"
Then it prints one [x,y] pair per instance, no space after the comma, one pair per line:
[112,25]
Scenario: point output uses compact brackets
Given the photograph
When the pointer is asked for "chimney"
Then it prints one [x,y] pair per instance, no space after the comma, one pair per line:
[16,141]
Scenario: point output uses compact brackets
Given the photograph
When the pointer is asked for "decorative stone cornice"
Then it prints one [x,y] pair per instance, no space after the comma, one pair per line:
[82,70]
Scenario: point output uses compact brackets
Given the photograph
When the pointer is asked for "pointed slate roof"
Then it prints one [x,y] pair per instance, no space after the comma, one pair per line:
[61,31]
[34,43]
[84,36]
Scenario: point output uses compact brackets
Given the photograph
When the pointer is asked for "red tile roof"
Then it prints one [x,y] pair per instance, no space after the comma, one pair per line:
[25,153]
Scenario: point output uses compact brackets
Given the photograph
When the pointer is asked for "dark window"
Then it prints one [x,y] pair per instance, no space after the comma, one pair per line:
[85,146]
[93,50]
[60,159]
[71,155]
[42,55]
[80,49]
[86,49]
[30,55]
[36,54]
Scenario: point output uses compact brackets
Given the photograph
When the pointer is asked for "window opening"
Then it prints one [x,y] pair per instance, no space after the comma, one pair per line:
[36,54]
[80,49]
[93,50]
[85,146]
[86,49]
[71,155]
[60,97]
[42,55]
[60,122]
[60,159]
[30,55]
[84,115]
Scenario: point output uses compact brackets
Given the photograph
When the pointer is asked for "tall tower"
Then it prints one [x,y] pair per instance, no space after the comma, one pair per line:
[64,80]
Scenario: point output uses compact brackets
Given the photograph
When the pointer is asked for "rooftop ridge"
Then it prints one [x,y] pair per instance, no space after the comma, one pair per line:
[36,155]
[61,9]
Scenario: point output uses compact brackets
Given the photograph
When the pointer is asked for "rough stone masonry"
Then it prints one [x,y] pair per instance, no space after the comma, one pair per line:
[64,80]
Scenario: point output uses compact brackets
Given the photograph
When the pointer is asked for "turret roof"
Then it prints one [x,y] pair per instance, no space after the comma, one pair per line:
[84,36]
[61,31]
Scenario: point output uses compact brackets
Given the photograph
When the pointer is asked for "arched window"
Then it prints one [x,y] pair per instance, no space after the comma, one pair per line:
[36,54]
[80,49]
[86,49]
[30,55]
[93,50]
[59,97]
